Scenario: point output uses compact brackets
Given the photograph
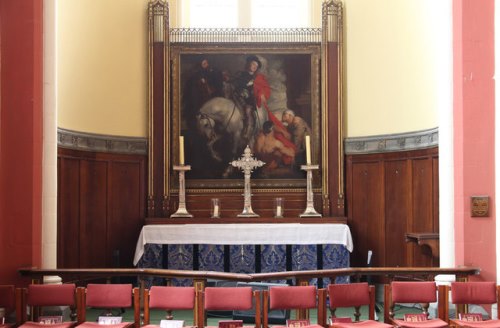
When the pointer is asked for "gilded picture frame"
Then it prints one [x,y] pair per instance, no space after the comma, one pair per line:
[210,107]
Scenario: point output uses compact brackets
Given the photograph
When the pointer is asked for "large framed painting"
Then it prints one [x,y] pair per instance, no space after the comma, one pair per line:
[226,98]
[224,90]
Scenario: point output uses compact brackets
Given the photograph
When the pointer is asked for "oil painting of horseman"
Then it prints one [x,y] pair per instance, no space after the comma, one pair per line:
[231,100]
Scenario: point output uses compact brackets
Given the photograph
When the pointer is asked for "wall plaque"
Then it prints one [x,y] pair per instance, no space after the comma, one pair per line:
[480,206]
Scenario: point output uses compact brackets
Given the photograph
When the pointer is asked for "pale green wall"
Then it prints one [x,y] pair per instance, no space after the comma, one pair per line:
[392,75]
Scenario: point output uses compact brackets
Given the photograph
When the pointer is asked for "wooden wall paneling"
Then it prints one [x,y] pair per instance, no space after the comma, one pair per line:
[397,210]
[406,200]
[126,211]
[435,194]
[366,217]
[423,203]
[68,227]
[93,213]
[101,207]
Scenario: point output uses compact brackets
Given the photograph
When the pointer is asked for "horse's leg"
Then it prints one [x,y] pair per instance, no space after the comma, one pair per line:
[211,149]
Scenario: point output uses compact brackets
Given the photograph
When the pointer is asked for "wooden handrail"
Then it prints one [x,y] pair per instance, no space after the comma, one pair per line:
[461,273]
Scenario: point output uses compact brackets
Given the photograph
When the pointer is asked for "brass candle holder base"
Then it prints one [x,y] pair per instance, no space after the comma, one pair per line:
[310,212]
[182,210]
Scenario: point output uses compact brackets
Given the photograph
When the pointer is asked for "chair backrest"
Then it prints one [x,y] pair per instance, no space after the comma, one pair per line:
[413,291]
[51,295]
[168,298]
[423,292]
[7,298]
[171,298]
[39,295]
[292,297]
[301,298]
[108,295]
[474,292]
[228,298]
[352,295]
[7,301]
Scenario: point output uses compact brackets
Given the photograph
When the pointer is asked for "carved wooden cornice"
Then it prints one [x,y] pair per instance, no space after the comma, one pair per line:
[392,142]
[101,143]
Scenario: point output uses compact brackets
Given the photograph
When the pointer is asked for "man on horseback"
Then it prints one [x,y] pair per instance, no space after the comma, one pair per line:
[251,92]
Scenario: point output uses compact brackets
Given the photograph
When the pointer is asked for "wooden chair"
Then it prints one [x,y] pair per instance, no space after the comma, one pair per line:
[423,292]
[167,298]
[107,297]
[354,295]
[8,303]
[301,298]
[39,296]
[465,293]
[229,299]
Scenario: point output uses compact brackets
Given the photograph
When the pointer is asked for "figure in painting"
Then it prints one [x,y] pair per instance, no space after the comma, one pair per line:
[205,83]
[297,129]
[271,150]
[251,91]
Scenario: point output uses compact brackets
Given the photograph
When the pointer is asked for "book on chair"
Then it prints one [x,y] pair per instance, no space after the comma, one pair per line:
[230,323]
[171,323]
[105,320]
[470,316]
[50,320]
[297,323]
[415,317]
[340,320]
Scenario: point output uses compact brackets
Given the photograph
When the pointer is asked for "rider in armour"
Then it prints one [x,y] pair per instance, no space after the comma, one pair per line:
[251,91]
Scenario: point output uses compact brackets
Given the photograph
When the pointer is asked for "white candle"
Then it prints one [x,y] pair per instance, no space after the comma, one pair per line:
[308,150]
[279,212]
[181,150]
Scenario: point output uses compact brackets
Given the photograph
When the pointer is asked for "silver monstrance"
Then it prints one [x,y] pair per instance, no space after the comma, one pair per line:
[247,163]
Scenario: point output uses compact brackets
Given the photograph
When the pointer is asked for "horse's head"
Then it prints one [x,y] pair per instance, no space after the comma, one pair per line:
[206,126]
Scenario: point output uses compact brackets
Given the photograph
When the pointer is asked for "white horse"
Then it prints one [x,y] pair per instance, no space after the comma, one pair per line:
[222,114]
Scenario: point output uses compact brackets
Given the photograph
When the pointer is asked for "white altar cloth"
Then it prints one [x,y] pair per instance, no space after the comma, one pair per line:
[244,234]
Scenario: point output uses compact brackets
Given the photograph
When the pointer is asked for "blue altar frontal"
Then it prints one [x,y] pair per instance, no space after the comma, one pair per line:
[245,248]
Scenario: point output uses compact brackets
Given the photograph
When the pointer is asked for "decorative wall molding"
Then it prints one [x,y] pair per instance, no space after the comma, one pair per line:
[392,142]
[101,143]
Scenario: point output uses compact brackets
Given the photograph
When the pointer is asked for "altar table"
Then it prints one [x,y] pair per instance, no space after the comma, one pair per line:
[244,248]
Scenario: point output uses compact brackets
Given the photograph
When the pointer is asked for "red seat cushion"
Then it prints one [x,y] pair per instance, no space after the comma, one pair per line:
[171,298]
[477,324]
[97,325]
[431,323]
[365,324]
[349,295]
[51,295]
[292,297]
[109,295]
[228,298]
[473,292]
[413,291]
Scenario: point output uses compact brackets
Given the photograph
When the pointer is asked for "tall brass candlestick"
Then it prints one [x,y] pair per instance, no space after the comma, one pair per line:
[182,211]
[310,211]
